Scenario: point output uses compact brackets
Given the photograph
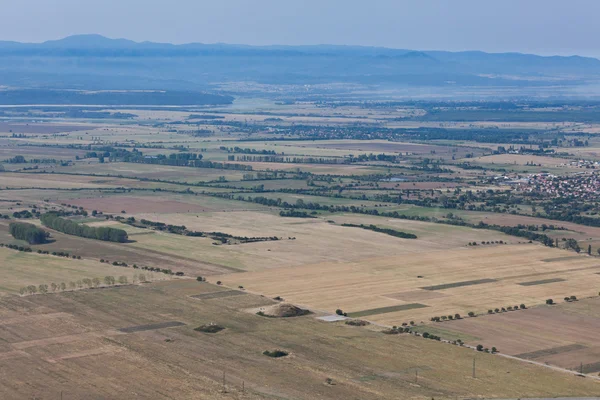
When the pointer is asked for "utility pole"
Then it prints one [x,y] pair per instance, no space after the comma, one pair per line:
[416,375]
[224,382]
[473,367]
[581,369]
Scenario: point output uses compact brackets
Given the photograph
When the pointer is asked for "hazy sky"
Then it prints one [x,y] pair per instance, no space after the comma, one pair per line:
[536,26]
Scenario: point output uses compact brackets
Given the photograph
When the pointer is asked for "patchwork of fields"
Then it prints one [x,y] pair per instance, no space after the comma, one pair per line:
[148,332]
[223,219]
[442,282]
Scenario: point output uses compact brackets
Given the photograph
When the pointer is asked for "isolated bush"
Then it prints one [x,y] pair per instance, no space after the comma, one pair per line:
[275,353]
[479,347]
[211,328]
[549,301]
[357,322]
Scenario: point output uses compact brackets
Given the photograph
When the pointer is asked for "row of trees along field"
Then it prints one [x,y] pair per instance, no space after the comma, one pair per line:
[28,232]
[54,221]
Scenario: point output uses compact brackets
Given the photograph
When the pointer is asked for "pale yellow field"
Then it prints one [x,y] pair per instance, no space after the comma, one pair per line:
[20,269]
[519,159]
[392,281]
[316,240]
[12,180]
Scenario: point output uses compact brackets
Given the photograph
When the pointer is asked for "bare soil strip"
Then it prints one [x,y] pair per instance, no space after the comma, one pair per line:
[384,310]
[150,327]
[459,284]
[218,295]
[542,282]
[548,352]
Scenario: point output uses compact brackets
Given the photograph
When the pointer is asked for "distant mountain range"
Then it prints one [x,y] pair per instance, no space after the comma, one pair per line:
[97,62]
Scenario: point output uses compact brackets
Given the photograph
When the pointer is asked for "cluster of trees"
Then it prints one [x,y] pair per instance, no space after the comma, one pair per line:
[394,330]
[291,160]
[484,242]
[505,309]
[237,149]
[28,232]
[16,160]
[174,159]
[428,335]
[295,214]
[485,349]
[449,317]
[387,231]
[54,221]
[372,157]
[25,214]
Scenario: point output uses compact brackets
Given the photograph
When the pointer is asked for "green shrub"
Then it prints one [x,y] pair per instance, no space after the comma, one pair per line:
[275,353]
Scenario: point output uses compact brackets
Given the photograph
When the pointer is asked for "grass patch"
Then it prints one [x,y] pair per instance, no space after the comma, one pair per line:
[385,310]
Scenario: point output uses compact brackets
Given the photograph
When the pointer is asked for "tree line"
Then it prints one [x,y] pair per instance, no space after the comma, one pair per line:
[54,221]
[387,231]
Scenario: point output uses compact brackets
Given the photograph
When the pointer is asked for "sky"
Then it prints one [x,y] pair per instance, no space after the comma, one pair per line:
[544,27]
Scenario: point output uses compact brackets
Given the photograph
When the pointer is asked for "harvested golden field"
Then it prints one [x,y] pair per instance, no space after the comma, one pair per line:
[564,334]
[570,229]
[430,283]
[328,242]
[19,269]
[147,333]
[130,253]
[48,181]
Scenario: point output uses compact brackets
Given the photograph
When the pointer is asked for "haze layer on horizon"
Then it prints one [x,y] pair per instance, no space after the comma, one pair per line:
[546,27]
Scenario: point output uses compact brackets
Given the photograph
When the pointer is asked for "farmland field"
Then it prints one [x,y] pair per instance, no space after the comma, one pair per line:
[463,280]
[561,335]
[152,333]
[169,219]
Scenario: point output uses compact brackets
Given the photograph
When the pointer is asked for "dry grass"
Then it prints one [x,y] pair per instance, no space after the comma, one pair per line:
[382,281]
[19,269]
[563,335]
[327,242]
[71,334]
